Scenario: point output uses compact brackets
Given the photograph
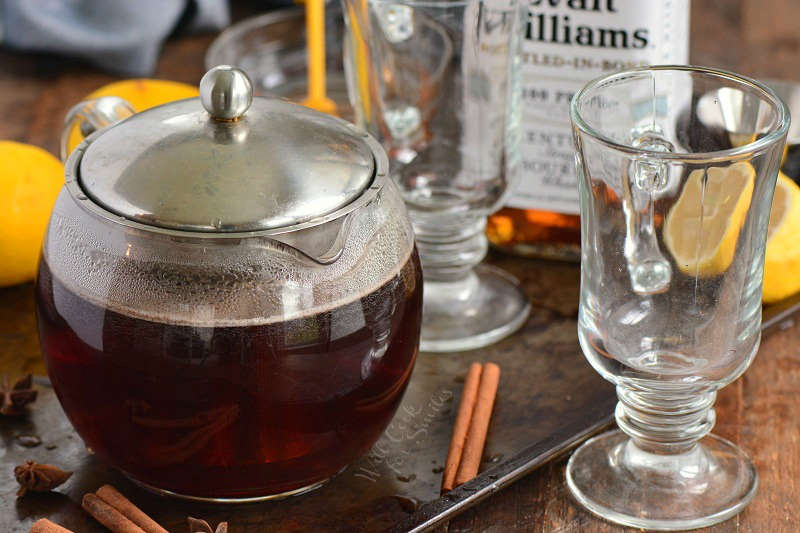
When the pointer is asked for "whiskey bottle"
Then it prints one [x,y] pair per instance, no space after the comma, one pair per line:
[566,43]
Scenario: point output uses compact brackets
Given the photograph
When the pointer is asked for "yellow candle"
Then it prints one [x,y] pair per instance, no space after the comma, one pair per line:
[315,35]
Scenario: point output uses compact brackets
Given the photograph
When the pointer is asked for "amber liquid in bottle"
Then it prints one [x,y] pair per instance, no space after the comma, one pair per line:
[536,233]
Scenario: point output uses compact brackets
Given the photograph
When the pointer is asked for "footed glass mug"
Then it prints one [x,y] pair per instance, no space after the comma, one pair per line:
[436,84]
[677,166]
[229,297]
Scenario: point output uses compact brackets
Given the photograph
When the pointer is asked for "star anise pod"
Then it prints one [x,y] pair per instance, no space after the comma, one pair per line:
[38,477]
[201,526]
[16,397]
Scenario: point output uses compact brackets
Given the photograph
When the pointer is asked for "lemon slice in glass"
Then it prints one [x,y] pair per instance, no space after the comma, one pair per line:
[782,261]
[702,227]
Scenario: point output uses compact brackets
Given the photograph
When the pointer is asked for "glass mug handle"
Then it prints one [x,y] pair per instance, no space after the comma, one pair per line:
[650,271]
[93,115]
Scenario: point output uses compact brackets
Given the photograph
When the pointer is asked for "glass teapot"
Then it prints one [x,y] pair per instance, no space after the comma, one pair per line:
[229,296]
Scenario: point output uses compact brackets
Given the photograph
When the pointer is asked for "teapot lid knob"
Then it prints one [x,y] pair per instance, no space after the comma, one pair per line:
[226,92]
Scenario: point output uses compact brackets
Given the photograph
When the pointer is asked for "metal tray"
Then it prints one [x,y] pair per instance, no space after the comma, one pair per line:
[549,400]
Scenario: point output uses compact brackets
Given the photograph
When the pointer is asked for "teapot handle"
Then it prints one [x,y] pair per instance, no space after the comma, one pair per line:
[93,115]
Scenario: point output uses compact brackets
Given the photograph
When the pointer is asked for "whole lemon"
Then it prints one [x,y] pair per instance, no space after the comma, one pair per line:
[141,94]
[30,179]
[782,260]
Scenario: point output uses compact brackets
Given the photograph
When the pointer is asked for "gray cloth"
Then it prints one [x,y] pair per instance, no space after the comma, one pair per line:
[122,36]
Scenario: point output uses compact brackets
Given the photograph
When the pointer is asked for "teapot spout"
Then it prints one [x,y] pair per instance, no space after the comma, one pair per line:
[322,244]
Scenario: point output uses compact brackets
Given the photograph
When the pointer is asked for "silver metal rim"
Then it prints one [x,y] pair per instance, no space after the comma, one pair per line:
[72,184]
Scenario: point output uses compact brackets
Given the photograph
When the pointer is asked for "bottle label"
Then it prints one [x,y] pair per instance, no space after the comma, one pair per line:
[565,44]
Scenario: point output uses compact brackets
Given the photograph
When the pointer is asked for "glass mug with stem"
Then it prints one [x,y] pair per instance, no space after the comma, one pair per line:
[677,167]
[435,83]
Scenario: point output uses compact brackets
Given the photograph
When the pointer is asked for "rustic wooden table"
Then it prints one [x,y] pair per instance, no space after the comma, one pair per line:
[756,412]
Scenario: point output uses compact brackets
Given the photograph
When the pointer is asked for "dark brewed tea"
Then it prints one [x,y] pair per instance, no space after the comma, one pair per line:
[234,411]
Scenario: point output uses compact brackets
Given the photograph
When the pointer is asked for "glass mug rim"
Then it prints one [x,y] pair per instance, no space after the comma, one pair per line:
[777,130]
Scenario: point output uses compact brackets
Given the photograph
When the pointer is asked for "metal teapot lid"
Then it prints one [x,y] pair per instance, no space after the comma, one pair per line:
[233,164]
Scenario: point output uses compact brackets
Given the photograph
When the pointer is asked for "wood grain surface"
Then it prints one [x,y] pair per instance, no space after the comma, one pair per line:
[754,37]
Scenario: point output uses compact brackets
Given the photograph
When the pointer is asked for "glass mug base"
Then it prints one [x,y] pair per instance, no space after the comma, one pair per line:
[621,483]
[249,499]
[478,311]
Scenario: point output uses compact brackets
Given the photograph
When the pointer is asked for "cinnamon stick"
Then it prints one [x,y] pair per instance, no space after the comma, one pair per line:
[107,515]
[43,525]
[115,499]
[468,398]
[479,425]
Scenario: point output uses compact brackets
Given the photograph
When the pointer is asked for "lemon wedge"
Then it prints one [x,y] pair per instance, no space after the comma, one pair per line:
[702,227]
[782,261]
